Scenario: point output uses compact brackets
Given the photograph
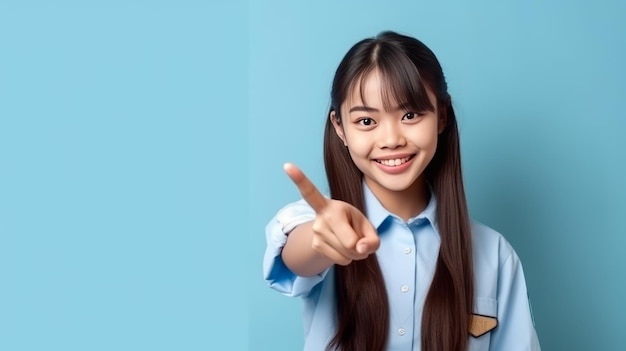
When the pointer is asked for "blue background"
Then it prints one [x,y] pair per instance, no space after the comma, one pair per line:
[141,146]
[123,180]
[538,88]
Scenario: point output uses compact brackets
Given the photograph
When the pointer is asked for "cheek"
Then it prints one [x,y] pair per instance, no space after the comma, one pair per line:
[427,135]
[358,147]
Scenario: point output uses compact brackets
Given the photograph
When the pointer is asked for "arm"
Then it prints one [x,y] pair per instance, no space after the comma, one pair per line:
[300,256]
[278,276]
[516,330]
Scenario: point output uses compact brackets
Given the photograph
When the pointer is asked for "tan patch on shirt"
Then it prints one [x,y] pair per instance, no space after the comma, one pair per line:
[481,325]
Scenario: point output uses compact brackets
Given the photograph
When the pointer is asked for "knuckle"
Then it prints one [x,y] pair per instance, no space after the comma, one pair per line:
[316,227]
[316,244]
[326,215]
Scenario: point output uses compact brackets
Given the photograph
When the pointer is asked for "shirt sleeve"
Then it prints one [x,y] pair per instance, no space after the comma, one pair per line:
[275,272]
[516,330]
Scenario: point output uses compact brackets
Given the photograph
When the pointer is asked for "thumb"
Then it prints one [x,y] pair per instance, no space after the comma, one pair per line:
[369,241]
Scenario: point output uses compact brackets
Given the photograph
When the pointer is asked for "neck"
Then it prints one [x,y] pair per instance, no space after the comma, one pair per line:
[405,204]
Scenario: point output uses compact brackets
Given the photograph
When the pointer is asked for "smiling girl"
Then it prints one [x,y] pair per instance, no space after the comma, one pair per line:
[391,261]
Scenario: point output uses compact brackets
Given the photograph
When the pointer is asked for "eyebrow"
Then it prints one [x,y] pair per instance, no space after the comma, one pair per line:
[371,109]
[363,109]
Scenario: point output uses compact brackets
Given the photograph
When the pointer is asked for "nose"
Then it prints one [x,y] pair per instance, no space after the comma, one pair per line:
[391,136]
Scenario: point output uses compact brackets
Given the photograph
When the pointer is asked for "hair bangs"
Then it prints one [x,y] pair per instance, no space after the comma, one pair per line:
[402,84]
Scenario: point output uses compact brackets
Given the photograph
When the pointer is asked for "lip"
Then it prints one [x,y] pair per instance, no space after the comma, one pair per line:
[395,169]
[393,157]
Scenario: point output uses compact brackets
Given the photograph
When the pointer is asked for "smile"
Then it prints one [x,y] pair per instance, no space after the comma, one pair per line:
[394,162]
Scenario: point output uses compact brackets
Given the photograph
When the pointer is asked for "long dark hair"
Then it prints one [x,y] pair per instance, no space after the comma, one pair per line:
[408,68]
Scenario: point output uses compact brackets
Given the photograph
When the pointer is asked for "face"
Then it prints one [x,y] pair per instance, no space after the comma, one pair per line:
[391,148]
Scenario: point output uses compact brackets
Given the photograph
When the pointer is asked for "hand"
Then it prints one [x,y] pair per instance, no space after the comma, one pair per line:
[340,231]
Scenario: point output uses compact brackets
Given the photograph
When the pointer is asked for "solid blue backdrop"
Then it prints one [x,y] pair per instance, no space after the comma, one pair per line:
[123,175]
[538,90]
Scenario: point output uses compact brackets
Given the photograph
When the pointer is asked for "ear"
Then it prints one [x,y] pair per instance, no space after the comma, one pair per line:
[334,119]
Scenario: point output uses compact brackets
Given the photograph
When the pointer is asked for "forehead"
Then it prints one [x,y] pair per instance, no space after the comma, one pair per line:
[373,90]
[368,90]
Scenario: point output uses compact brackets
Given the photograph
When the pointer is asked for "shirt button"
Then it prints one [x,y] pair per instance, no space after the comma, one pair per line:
[407,250]
[404,288]
[401,331]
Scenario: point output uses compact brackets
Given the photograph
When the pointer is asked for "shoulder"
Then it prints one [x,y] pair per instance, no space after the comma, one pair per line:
[489,244]
[494,259]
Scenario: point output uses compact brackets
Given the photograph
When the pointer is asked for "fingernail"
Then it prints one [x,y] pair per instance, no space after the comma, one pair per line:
[361,248]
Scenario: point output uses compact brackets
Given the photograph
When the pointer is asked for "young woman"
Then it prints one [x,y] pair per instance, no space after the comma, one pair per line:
[391,261]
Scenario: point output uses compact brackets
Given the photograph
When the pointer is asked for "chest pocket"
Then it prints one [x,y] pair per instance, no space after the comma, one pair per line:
[485,321]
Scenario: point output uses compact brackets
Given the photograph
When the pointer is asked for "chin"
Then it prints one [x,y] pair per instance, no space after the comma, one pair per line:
[396,186]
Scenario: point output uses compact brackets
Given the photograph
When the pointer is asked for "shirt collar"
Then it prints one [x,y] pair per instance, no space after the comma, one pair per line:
[377,214]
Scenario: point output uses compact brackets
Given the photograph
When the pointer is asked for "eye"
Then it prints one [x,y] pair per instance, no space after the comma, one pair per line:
[365,121]
[410,116]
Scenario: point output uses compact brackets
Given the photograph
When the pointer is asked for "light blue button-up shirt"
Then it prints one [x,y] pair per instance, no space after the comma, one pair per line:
[407,256]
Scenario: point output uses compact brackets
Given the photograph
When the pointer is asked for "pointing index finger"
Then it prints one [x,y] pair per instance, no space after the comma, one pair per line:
[308,190]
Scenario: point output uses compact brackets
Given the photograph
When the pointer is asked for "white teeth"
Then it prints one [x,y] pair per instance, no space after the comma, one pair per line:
[394,162]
